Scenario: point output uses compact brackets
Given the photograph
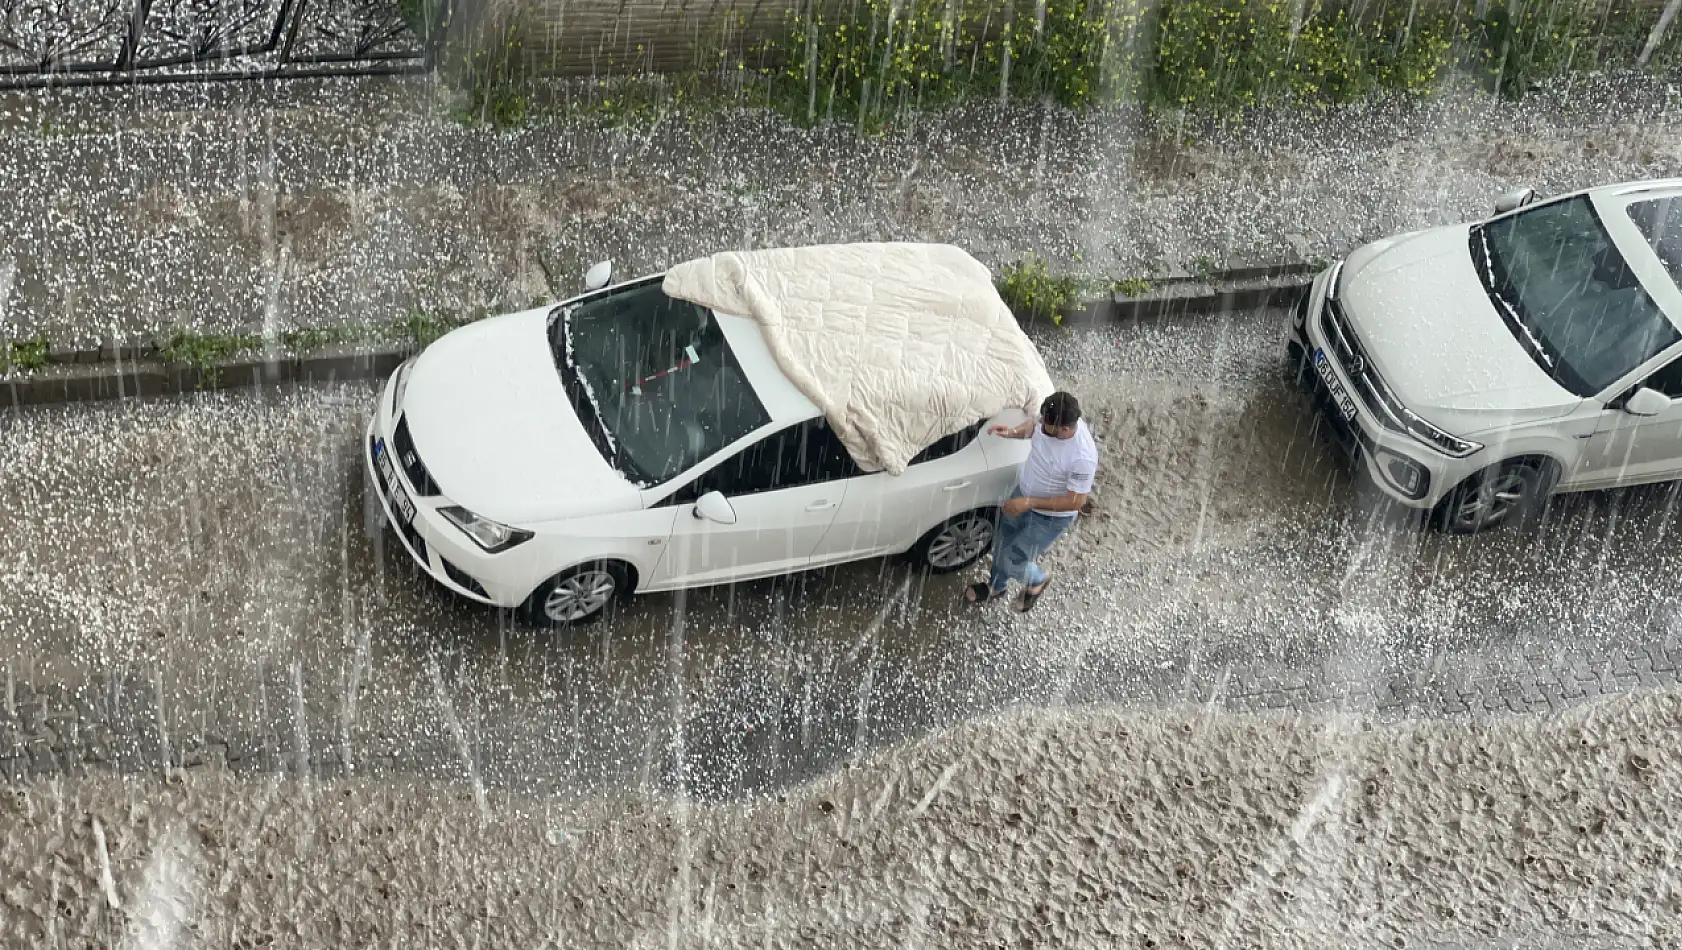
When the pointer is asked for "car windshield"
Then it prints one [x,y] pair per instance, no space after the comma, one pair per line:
[1566,292]
[653,380]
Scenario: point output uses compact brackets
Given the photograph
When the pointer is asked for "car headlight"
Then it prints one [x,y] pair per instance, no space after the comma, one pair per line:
[400,383]
[1399,418]
[488,534]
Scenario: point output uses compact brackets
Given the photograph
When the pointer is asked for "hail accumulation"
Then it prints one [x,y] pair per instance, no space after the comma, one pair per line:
[236,206]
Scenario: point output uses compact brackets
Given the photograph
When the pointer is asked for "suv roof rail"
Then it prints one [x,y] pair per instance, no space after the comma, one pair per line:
[1654,184]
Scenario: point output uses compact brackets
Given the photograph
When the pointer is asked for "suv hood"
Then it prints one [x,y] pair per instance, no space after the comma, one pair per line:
[493,425]
[1426,323]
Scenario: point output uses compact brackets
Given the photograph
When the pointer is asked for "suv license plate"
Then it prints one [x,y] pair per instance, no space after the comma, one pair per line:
[1340,396]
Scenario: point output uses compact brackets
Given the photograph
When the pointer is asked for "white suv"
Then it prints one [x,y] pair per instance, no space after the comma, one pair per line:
[560,459]
[1470,371]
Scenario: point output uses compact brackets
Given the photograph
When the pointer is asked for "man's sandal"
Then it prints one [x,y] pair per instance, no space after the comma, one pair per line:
[981,593]
[1031,597]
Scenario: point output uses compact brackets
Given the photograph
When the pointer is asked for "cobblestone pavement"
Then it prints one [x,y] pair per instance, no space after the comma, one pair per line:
[258,206]
[185,582]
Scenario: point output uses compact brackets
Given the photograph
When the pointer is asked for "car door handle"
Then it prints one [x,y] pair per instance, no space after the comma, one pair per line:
[820,506]
[954,486]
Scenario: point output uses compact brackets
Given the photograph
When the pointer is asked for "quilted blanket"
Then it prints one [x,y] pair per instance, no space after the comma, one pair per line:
[899,344]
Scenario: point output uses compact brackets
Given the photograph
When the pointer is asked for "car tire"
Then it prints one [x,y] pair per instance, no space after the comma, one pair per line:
[1513,491]
[577,596]
[957,542]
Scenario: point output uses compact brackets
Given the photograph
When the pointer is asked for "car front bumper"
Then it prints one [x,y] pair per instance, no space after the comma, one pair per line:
[442,551]
[1398,464]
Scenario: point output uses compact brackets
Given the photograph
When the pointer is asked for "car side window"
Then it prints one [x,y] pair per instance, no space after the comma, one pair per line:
[802,454]
[950,445]
[1667,380]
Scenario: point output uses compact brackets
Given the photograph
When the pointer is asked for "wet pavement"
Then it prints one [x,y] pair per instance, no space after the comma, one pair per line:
[186,582]
[253,206]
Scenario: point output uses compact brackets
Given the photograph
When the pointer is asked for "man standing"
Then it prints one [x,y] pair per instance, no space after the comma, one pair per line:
[1050,491]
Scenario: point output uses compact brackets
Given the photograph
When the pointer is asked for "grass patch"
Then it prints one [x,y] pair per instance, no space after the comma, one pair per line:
[24,356]
[1131,287]
[205,352]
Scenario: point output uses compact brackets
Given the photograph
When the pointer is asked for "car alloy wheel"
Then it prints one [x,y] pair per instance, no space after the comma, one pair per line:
[1493,497]
[579,596]
[959,542]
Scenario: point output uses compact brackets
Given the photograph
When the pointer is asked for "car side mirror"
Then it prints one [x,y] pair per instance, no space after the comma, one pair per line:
[1514,200]
[598,276]
[713,506]
[1646,402]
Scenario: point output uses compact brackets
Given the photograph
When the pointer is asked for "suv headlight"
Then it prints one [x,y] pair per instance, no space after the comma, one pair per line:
[1400,418]
[488,534]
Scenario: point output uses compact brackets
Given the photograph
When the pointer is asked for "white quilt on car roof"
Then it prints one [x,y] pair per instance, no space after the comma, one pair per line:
[899,344]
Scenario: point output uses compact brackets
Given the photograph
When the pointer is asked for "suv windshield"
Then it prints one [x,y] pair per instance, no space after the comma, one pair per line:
[653,381]
[1565,291]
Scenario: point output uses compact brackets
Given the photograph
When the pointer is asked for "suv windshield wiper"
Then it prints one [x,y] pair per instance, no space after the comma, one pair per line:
[1495,280]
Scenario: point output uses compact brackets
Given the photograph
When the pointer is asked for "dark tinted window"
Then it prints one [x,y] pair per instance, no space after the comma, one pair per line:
[802,454]
[1667,380]
[1660,221]
[950,445]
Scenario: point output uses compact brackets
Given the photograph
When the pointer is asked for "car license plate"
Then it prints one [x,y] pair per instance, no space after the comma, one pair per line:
[1340,396]
[400,503]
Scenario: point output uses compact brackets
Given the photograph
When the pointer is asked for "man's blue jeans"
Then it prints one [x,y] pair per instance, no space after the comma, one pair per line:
[1020,540]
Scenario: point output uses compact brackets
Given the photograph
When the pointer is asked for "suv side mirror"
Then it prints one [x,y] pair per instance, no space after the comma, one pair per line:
[598,276]
[713,506]
[1646,402]
[1514,200]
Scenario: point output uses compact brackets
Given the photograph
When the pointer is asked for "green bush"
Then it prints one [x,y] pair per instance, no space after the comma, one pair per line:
[1032,291]
[1533,40]
[24,355]
[880,57]
[1224,54]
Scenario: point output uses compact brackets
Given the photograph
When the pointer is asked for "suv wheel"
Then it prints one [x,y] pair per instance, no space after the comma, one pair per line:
[577,596]
[1511,491]
[957,543]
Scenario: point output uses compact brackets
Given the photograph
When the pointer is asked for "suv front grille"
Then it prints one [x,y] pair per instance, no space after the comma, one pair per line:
[413,467]
[1347,352]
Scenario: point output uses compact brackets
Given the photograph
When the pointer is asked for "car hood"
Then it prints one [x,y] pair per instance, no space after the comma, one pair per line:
[1426,322]
[492,423]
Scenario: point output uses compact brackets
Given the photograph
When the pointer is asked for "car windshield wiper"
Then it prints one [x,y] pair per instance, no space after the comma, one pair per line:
[583,398]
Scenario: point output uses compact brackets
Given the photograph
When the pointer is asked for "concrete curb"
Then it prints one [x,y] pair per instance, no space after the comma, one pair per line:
[129,370]
[152,378]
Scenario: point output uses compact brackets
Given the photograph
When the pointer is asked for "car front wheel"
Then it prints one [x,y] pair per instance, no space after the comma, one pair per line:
[956,543]
[1511,491]
[578,596]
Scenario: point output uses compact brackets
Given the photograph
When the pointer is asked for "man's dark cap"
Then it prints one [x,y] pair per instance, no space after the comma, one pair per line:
[1060,409]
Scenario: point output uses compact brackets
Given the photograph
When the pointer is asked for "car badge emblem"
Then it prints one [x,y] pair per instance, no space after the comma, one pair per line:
[1357,364]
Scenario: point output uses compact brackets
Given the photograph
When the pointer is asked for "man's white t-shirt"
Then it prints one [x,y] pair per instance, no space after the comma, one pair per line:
[1056,466]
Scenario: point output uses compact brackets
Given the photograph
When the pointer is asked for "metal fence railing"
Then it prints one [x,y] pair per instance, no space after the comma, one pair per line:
[114,42]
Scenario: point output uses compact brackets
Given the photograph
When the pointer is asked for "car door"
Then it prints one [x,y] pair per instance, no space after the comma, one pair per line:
[1627,448]
[885,514]
[785,489]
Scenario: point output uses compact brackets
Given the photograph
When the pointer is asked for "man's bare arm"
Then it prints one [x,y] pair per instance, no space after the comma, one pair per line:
[1020,431]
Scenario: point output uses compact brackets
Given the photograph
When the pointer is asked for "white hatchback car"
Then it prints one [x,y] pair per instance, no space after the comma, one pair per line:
[1473,370]
[556,460]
